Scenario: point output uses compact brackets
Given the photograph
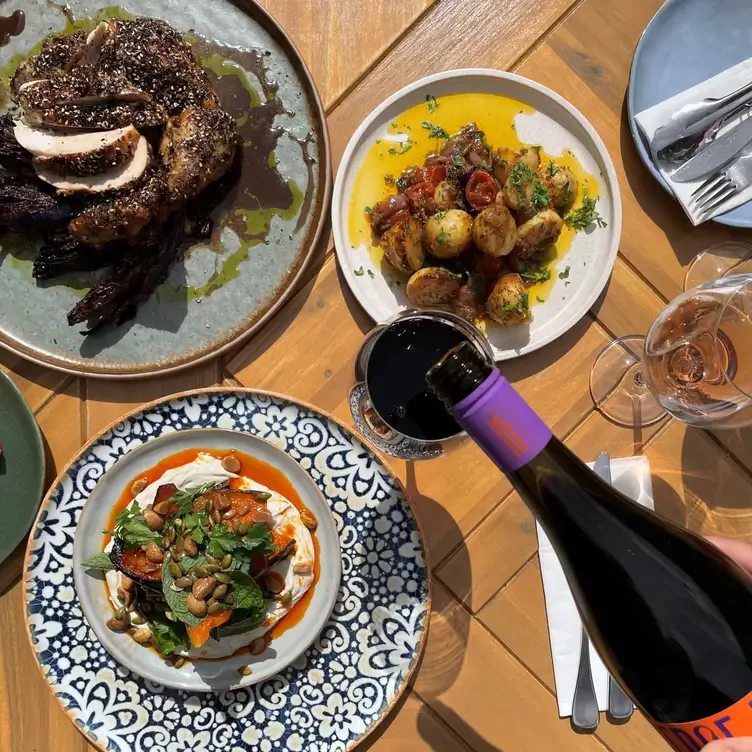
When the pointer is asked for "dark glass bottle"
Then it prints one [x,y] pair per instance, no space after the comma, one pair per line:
[668,612]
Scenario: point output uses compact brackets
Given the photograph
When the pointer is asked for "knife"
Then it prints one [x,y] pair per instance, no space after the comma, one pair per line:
[716,154]
[620,707]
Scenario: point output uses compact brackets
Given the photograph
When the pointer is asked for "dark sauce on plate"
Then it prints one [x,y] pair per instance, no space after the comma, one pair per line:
[396,377]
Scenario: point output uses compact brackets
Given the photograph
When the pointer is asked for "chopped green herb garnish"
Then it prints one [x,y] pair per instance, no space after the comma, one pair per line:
[371,274]
[436,130]
[564,274]
[131,527]
[539,299]
[432,102]
[586,215]
[553,168]
[520,305]
[442,238]
[405,147]
[536,275]
[537,148]
[358,272]
[368,209]
[541,196]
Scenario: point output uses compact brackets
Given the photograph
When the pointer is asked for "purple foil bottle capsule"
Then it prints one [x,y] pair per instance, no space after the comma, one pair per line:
[488,407]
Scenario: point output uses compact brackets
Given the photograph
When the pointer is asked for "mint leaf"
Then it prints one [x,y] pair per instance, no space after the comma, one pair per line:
[247,593]
[131,528]
[178,600]
[167,636]
[100,561]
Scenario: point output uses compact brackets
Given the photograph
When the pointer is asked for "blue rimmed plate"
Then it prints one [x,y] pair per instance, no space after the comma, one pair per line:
[328,699]
[667,62]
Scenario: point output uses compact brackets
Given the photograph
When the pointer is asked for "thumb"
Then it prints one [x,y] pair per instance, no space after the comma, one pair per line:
[730,745]
[740,552]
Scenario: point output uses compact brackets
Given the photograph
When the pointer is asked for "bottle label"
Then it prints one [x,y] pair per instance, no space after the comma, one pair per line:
[734,722]
[502,423]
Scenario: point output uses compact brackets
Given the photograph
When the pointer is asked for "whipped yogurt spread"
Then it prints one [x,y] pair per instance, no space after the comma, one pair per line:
[208,469]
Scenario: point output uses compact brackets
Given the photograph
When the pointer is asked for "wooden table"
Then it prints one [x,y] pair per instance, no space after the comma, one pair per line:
[485,682]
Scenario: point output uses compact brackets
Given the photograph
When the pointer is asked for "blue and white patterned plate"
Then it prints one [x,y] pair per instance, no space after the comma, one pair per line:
[331,697]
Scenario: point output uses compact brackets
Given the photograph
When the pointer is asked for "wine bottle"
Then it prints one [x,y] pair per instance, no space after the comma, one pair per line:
[668,612]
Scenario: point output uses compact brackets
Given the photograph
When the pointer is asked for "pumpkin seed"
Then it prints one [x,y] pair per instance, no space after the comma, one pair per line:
[127,583]
[216,517]
[229,514]
[178,522]
[199,571]
[163,508]
[231,464]
[286,598]
[212,568]
[243,528]
[226,561]
[202,588]
[212,608]
[122,615]
[138,486]
[176,555]
[208,506]
[137,619]
[193,577]
[142,635]
[229,599]
[154,552]
[133,606]
[166,541]
[180,544]
[302,568]
[245,670]
[261,515]
[262,495]
[183,582]
[225,579]
[257,646]
[190,547]
[244,509]
[151,568]
[211,600]
[116,625]
[179,662]
[175,569]
[153,520]
[220,591]
[308,519]
[172,534]
[169,615]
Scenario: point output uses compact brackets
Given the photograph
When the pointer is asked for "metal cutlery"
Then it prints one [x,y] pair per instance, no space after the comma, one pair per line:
[719,152]
[585,713]
[620,707]
[697,117]
[723,186]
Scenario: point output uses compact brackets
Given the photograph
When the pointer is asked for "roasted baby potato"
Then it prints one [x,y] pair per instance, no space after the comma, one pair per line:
[445,195]
[433,286]
[402,246]
[562,185]
[494,230]
[540,231]
[508,303]
[505,159]
[448,233]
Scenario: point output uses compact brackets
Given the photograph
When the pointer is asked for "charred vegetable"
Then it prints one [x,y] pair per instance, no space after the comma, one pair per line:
[24,204]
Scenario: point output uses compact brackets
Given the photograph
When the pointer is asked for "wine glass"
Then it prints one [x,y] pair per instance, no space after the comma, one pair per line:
[720,260]
[695,362]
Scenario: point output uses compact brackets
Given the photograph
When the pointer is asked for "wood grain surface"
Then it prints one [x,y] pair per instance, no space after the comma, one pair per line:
[485,682]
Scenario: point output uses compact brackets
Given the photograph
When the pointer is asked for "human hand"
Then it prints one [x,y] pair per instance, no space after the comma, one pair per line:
[741,553]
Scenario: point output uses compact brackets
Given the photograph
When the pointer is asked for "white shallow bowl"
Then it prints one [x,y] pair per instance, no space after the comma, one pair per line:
[557,126]
[202,675]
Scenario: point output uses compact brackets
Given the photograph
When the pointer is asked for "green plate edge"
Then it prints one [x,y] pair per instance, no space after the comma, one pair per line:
[22,461]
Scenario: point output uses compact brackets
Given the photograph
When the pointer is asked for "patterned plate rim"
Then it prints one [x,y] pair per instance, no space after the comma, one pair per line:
[247,391]
[304,261]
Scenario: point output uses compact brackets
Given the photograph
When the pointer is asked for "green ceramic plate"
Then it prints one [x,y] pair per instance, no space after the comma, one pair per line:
[21,466]
[265,230]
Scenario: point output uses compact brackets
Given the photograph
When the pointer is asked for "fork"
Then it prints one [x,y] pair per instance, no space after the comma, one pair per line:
[722,186]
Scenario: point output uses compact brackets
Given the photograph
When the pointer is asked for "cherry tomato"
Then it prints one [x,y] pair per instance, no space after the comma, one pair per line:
[420,196]
[481,190]
[435,173]
[401,217]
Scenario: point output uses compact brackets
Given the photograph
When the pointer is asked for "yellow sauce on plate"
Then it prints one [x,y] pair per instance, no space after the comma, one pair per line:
[493,114]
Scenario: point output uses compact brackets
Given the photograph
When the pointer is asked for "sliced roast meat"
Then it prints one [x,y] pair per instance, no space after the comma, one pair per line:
[117,178]
[58,55]
[78,153]
[197,148]
[122,217]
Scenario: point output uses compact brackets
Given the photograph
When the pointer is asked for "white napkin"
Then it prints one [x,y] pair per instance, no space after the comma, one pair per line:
[649,120]
[631,475]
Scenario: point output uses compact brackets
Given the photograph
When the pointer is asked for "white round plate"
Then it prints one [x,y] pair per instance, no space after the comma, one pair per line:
[556,125]
[202,676]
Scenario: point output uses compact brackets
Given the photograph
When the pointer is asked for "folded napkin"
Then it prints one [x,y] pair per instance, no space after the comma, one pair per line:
[631,475]
[649,120]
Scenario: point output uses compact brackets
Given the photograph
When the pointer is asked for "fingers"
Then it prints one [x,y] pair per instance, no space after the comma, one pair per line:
[740,552]
[730,745]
